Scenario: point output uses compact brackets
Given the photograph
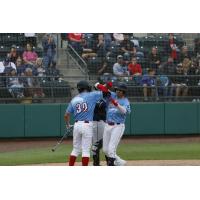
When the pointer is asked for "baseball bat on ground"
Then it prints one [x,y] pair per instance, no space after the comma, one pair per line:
[67,132]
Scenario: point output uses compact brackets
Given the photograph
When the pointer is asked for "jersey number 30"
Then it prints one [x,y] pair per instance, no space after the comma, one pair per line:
[81,107]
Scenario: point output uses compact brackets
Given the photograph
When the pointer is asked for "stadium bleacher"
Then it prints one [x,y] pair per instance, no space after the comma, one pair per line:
[53,88]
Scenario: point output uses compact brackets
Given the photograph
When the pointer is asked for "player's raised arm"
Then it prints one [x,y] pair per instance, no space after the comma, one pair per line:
[104,88]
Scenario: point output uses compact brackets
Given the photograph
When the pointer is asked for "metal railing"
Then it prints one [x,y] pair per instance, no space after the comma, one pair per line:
[48,89]
[139,88]
[78,59]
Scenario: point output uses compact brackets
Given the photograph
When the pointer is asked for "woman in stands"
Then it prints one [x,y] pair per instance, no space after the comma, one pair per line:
[13,54]
[29,56]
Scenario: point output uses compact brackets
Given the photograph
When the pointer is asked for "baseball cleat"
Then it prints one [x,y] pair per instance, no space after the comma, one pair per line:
[120,162]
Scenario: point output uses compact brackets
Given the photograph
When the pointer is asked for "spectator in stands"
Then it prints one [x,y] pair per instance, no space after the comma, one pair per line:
[108,40]
[39,69]
[134,68]
[49,50]
[149,85]
[197,46]
[87,50]
[181,82]
[154,58]
[13,54]
[29,56]
[127,47]
[168,68]
[20,66]
[118,68]
[186,64]
[31,38]
[6,66]
[172,48]
[100,47]
[184,54]
[194,81]
[162,85]
[102,67]
[75,41]
[115,45]
[14,85]
[32,85]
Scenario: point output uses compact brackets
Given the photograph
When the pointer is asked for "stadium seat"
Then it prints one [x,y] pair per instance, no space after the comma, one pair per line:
[39,51]
[161,41]
[134,91]
[3,51]
[61,89]
[143,62]
[55,89]
[147,42]
[4,93]
[93,63]
[111,61]
[115,50]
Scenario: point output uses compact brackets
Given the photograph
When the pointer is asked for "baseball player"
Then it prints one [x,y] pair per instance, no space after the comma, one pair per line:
[98,129]
[82,107]
[118,108]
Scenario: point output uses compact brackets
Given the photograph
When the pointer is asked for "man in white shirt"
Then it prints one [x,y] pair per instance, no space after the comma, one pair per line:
[118,68]
[6,65]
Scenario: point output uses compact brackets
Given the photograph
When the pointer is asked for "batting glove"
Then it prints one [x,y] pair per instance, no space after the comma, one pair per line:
[114,102]
[109,84]
[101,87]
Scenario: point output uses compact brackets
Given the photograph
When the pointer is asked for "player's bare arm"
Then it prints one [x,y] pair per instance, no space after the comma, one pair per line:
[122,109]
[67,119]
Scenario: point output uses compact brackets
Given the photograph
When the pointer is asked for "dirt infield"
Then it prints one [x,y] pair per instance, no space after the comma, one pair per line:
[9,145]
[141,163]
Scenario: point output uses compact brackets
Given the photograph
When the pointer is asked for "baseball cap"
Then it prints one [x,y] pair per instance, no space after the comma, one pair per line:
[119,57]
[7,60]
[14,46]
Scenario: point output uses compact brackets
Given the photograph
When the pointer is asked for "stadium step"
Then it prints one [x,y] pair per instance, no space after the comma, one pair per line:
[69,68]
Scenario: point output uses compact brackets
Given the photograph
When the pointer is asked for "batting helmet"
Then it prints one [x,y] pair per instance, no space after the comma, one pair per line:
[83,85]
[121,87]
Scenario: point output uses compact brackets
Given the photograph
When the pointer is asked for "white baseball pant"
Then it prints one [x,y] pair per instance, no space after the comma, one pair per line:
[111,138]
[82,138]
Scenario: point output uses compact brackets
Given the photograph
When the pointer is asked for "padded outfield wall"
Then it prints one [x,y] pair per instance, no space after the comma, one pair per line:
[46,120]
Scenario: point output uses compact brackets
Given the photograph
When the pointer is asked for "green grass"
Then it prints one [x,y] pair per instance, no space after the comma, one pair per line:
[175,151]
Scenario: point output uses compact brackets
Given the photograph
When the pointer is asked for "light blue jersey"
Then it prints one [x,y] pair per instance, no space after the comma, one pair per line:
[114,114]
[82,105]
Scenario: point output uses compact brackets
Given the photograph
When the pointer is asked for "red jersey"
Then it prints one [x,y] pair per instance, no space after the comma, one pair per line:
[75,36]
[133,69]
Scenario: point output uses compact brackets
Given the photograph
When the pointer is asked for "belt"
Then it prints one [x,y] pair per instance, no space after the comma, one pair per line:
[83,121]
[112,123]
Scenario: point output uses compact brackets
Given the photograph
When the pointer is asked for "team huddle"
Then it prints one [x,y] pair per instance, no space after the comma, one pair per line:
[99,122]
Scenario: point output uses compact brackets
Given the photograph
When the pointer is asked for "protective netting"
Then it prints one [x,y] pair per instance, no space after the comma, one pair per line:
[155,67]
